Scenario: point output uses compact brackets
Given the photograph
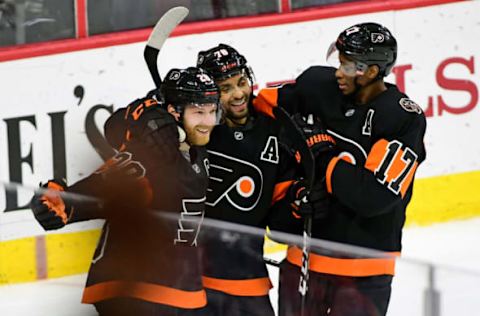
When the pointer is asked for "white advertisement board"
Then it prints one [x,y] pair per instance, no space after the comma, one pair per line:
[53,107]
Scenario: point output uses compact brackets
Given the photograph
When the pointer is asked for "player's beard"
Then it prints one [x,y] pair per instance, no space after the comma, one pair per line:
[198,135]
[234,115]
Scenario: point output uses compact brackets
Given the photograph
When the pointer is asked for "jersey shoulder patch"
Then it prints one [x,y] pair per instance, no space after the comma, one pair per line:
[394,111]
[410,106]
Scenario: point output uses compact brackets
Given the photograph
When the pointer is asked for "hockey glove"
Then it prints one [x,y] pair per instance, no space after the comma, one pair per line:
[48,206]
[320,142]
[156,129]
[315,204]
[317,138]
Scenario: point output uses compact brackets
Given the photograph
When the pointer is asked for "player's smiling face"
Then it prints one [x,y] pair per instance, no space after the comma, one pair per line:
[198,122]
[234,96]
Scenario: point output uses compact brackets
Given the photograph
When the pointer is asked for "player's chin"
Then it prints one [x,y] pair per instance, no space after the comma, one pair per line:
[347,90]
[199,138]
[238,113]
[201,141]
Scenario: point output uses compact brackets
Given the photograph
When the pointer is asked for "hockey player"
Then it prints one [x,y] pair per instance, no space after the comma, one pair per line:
[249,171]
[145,263]
[378,135]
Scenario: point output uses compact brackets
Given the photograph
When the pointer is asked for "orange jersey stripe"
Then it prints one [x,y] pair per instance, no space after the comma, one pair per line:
[266,100]
[328,174]
[154,293]
[248,287]
[345,267]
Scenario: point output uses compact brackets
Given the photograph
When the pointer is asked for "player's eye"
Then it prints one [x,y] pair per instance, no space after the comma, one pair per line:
[225,89]
[243,82]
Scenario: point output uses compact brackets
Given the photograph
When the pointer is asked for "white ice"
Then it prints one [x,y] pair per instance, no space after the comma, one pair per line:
[452,247]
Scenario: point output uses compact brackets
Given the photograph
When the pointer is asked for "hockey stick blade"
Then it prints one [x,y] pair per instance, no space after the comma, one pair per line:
[159,35]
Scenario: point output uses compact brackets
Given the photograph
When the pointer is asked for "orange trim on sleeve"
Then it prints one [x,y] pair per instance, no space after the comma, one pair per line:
[345,267]
[266,100]
[280,190]
[248,287]
[328,173]
[376,154]
[408,179]
[145,291]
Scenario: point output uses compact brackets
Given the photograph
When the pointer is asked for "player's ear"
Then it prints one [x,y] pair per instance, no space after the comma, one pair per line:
[372,71]
[171,110]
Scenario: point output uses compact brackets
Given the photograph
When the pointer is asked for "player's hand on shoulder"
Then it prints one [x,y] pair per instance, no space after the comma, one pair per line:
[153,127]
[315,203]
[49,207]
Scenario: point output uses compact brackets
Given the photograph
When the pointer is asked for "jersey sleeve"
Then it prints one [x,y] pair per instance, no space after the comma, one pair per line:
[280,216]
[119,184]
[268,98]
[286,173]
[85,199]
[387,177]
[292,96]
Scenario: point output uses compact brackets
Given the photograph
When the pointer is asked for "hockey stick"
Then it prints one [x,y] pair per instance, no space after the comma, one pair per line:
[157,38]
[308,163]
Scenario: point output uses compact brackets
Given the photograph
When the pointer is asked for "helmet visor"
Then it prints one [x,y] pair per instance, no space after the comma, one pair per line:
[346,65]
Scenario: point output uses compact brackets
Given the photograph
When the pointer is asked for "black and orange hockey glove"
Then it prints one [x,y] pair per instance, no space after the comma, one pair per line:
[320,142]
[48,206]
[315,204]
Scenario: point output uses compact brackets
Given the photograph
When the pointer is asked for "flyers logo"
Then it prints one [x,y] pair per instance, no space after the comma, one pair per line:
[237,181]
[190,221]
[377,38]
[351,151]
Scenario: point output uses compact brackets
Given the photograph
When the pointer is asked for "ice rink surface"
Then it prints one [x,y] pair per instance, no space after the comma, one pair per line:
[452,247]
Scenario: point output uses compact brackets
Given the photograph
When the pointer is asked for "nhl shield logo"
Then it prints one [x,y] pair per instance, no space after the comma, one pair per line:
[350,112]
[238,135]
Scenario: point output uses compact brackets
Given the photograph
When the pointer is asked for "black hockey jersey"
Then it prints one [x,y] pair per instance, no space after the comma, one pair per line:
[246,175]
[380,145]
[148,248]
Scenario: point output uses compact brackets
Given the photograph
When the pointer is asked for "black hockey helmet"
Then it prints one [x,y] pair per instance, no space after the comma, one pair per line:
[190,86]
[223,62]
[367,44]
